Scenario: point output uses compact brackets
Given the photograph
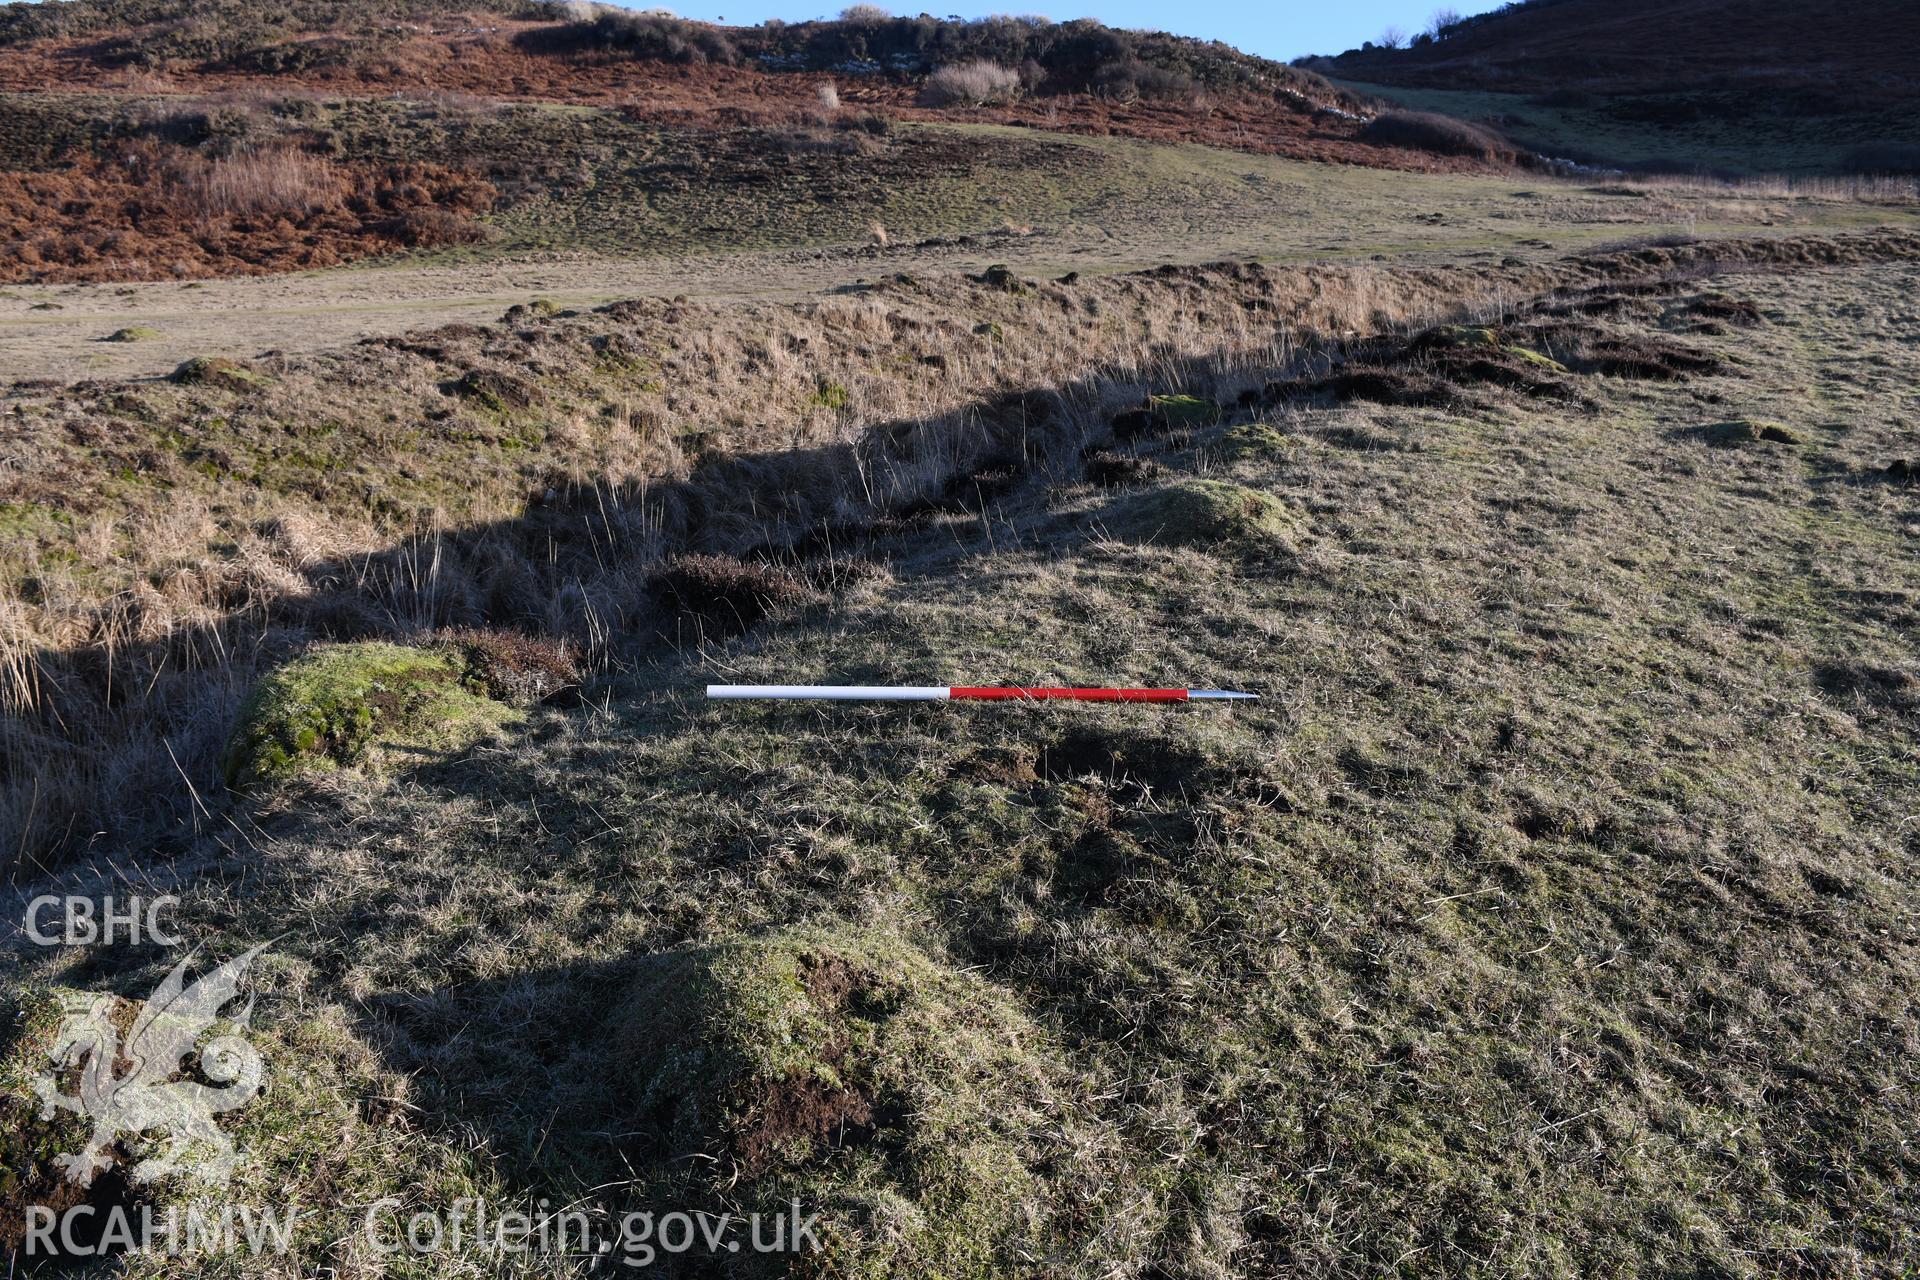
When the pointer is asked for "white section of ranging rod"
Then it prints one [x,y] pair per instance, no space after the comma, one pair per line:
[967,693]
[834,692]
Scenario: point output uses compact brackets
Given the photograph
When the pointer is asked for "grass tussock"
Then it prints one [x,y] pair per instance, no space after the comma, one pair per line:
[355,705]
[1212,513]
[724,596]
[513,667]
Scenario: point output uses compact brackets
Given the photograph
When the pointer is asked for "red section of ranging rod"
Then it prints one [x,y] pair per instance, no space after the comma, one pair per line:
[1028,694]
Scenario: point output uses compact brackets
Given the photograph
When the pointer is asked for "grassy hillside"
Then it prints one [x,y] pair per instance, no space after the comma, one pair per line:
[115,187]
[1716,135]
[190,140]
[1553,913]
[1643,46]
[1702,85]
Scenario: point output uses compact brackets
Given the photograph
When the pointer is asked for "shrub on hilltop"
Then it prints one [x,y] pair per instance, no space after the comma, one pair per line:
[1130,78]
[661,37]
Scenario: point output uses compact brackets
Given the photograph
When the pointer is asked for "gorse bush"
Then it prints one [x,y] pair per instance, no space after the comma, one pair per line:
[662,37]
[971,84]
[1131,79]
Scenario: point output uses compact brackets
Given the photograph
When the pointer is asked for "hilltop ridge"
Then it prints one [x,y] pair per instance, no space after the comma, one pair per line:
[1749,85]
[311,38]
[1642,46]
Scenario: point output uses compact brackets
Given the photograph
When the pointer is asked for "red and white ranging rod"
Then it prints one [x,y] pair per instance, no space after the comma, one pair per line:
[964,693]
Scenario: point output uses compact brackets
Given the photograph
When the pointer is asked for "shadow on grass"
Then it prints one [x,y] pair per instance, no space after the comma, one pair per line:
[119,742]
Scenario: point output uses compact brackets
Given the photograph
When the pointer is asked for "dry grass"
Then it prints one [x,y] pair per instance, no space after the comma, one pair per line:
[228,526]
[260,182]
[1552,914]
[970,84]
[1871,186]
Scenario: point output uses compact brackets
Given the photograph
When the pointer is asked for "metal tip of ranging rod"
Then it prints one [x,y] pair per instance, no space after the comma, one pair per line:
[1195,695]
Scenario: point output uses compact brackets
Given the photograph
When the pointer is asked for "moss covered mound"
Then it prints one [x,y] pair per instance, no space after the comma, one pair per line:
[1528,356]
[1210,512]
[1459,335]
[1254,441]
[134,333]
[217,371]
[848,1068]
[1751,431]
[367,704]
[1184,411]
[497,391]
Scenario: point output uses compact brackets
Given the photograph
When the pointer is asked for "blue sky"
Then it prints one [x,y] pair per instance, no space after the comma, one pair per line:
[1280,29]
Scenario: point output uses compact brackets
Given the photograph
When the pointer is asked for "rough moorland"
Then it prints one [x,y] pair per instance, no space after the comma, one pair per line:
[1552,914]
[171,538]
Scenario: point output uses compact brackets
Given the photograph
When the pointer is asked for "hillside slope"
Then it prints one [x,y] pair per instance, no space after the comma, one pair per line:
[181,139]
[1720,83]
[1853,49]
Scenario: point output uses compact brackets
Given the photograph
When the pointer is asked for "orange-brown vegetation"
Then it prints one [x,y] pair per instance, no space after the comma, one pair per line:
[151,211]
[97,197]
[501,64]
